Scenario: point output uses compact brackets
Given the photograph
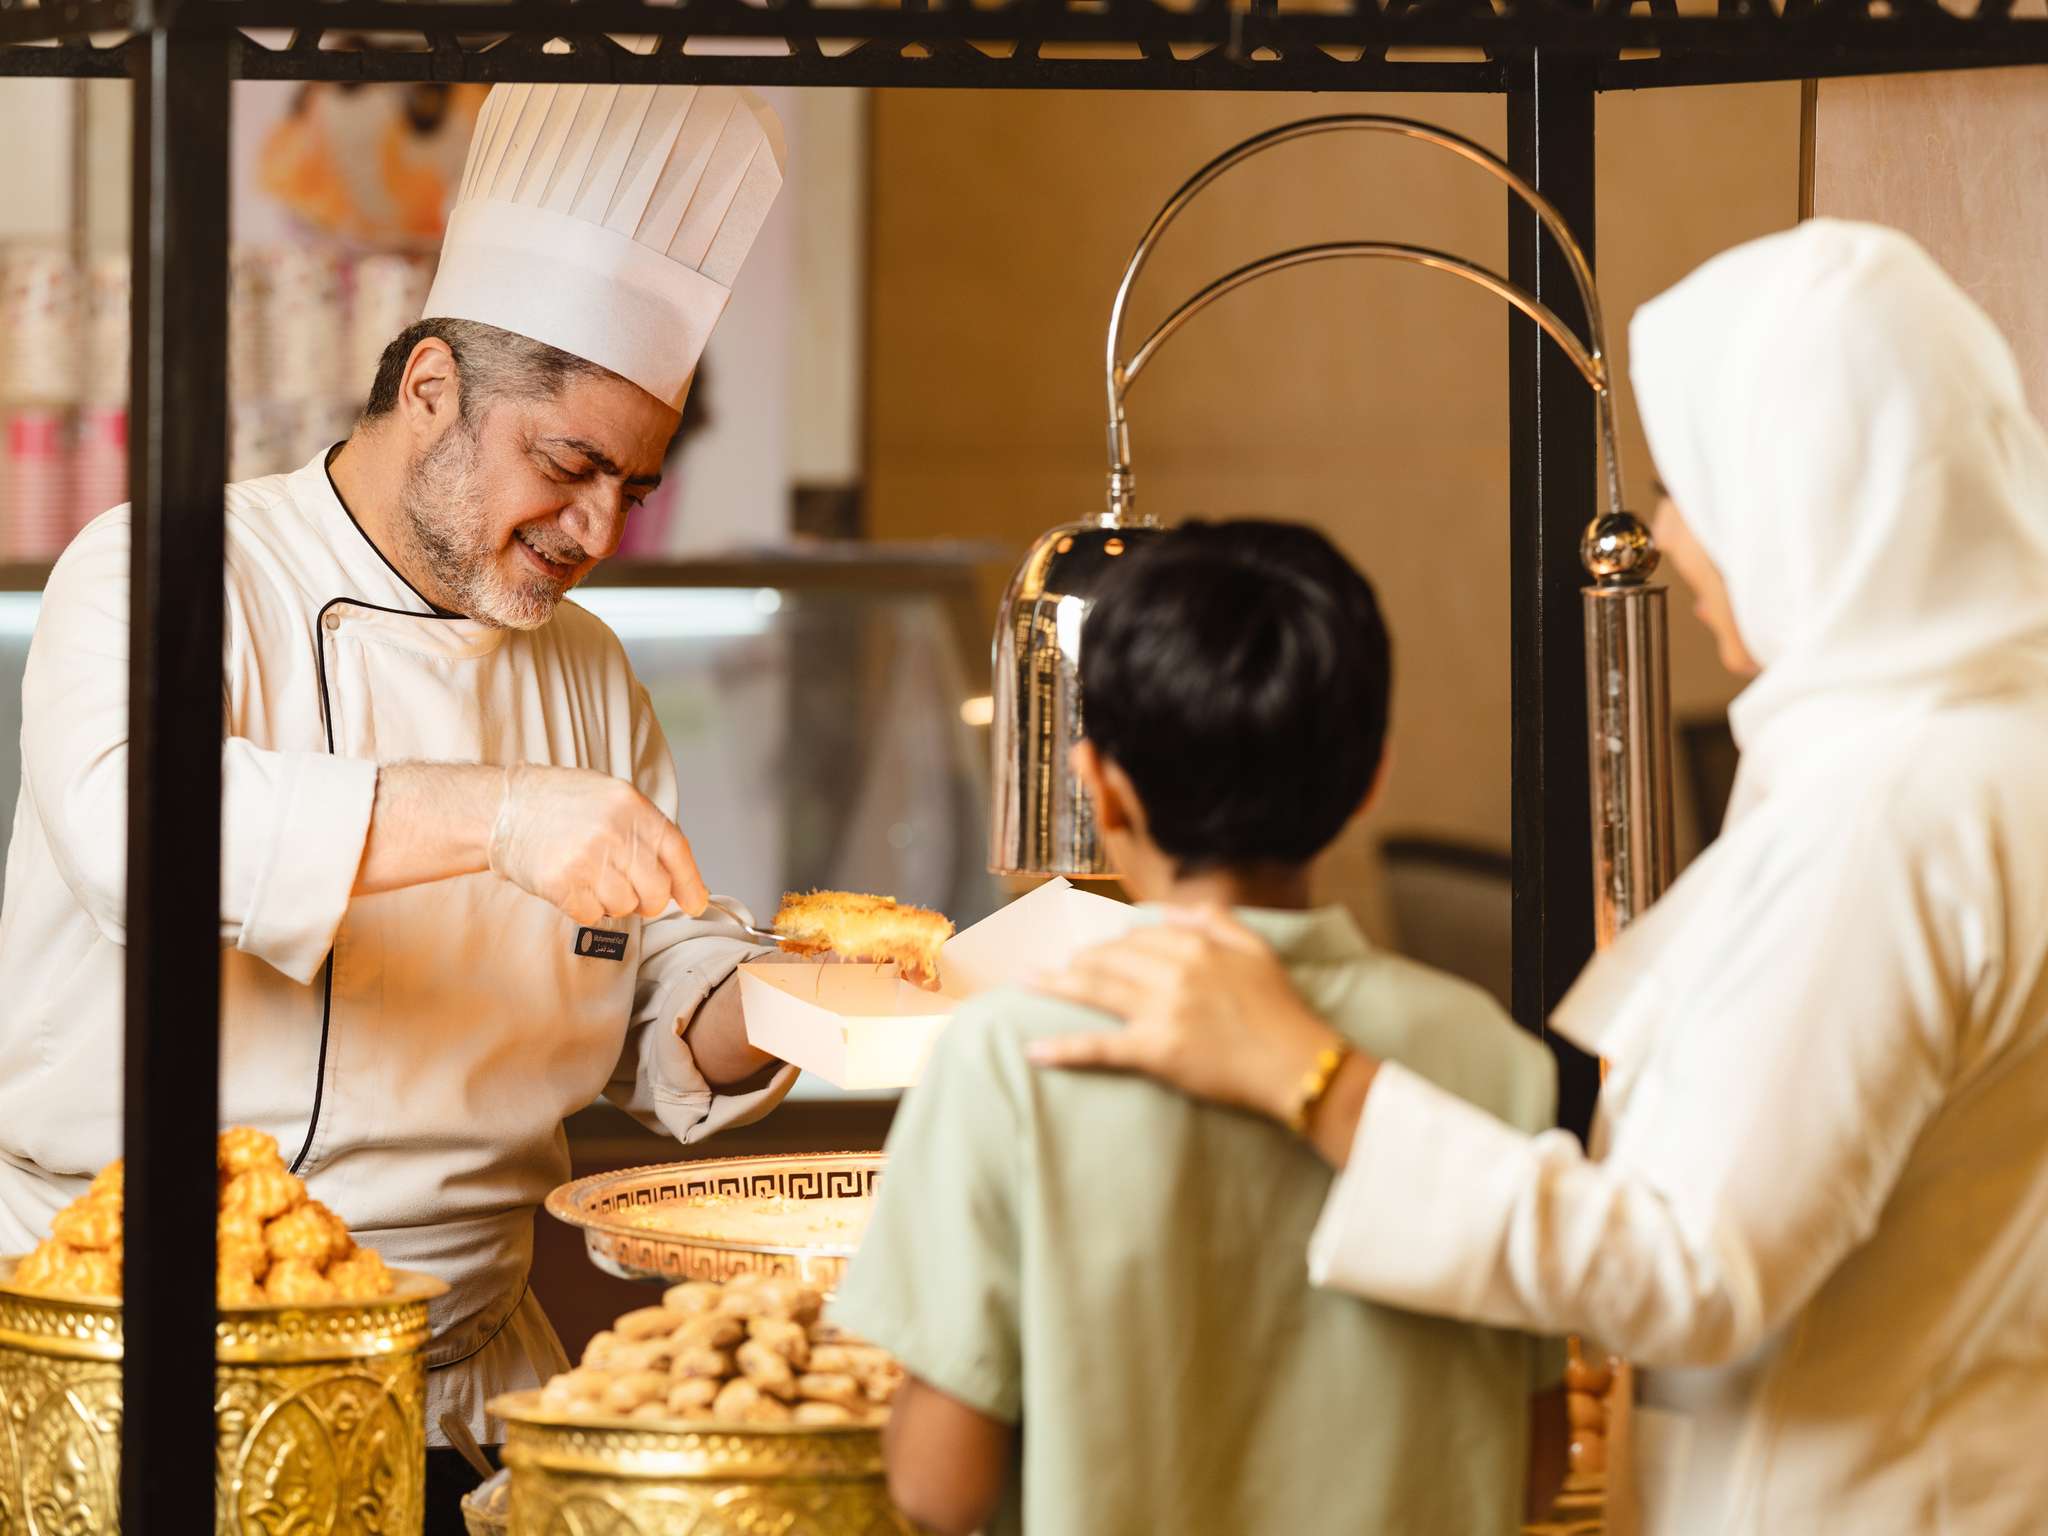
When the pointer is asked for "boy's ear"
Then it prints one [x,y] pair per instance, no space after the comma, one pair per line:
[1106,785]
[1379,783]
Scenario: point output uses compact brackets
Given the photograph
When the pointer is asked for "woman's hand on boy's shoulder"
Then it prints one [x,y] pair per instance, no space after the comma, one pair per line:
[1207,1009]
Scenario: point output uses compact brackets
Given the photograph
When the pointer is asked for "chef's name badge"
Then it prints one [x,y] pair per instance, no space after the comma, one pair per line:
[600,944]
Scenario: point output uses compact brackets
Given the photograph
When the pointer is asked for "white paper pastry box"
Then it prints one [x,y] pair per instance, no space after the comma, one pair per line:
[862,1026]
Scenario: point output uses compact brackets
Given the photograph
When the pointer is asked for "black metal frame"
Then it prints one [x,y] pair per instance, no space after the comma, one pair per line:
[1552,489]
[177,466]
[1550,57]
[1362,45]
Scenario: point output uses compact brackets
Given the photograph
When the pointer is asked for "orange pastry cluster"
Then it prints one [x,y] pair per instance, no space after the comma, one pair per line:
[276,1246]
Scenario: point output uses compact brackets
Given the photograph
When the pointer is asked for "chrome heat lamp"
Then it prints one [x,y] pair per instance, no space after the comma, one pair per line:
[1042,822]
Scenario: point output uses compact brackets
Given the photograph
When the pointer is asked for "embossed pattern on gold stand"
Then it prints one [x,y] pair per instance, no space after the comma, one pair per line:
[602,1203]
[613,1477]
[319,1416]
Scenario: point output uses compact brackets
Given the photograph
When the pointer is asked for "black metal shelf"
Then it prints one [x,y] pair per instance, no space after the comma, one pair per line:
[1364,45]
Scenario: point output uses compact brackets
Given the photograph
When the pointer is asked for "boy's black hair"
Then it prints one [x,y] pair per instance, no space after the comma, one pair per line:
[1239,673]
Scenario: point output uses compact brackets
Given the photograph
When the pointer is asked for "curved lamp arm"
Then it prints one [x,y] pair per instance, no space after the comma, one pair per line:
[1590,358]
[1627,669]
[1589,365]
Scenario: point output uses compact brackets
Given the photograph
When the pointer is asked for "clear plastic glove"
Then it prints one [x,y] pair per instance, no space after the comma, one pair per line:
[591,845]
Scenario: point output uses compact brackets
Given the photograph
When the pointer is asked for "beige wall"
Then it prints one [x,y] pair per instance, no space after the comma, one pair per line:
[830,286]
[1371,401]
[1957,161]
[35,117]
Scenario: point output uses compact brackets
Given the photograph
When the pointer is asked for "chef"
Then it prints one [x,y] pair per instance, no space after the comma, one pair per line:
[1817,1202]
[453,892]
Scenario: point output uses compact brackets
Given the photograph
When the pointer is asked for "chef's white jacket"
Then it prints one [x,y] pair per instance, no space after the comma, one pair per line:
[414,1052]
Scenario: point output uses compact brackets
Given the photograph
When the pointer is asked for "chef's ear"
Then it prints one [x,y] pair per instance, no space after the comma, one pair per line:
[430,390]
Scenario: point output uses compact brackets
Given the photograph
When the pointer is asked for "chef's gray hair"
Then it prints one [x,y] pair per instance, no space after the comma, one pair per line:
[491,365]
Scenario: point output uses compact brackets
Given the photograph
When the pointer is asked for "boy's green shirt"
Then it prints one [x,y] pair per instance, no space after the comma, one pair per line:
[1124,1272]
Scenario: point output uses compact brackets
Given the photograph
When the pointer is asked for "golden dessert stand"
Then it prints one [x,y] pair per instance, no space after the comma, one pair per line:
[319,1414]
[611,1207]
[628,1477]
[637,1478]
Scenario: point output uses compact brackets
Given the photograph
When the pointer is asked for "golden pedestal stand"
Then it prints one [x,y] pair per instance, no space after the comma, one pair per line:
[625,1478]
[319,1415]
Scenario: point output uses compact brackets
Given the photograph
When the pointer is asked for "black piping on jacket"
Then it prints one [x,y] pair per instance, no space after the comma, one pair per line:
[327,970]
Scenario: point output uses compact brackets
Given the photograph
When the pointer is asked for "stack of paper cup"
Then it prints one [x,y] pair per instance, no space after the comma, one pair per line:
[389,294]
[306,322]
[40,323]
[261,436]
[35,485]
[306,330]
[107,299]
[99,462]
[248,323]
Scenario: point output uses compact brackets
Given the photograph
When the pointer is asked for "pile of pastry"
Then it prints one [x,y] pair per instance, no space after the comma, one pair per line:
[276,1246]
[872,928]
[751,1351]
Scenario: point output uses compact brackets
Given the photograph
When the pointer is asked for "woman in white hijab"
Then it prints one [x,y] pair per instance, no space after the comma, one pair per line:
[1817,1203]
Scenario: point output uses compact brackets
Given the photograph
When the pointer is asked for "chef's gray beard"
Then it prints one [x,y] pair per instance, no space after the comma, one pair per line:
[448,526]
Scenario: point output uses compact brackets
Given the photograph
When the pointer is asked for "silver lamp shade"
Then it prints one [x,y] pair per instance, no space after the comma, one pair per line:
[1044,823]
[1628,718]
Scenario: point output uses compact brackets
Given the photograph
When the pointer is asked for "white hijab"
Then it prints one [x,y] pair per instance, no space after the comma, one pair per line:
[1846,434]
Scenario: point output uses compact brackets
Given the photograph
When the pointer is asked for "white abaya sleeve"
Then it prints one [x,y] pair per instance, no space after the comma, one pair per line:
[1768,1124]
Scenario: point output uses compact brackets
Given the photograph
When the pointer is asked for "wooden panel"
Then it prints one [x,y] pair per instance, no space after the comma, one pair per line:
[1958,162]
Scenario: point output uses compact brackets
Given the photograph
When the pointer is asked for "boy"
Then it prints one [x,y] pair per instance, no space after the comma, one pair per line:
[1116,1271]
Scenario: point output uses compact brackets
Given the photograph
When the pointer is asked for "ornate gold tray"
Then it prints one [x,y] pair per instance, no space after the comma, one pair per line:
[606,1206]
[628,1477]
[320,1411]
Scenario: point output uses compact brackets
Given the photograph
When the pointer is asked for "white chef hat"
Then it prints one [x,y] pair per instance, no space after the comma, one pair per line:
[610,220]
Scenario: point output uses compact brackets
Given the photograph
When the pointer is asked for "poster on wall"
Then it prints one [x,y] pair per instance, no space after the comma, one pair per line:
[367,167]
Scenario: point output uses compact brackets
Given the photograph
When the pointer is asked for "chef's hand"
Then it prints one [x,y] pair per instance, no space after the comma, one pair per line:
[1207,1009]
[592,845]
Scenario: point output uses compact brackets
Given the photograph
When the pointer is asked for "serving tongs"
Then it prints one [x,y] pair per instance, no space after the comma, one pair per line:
[736,912]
